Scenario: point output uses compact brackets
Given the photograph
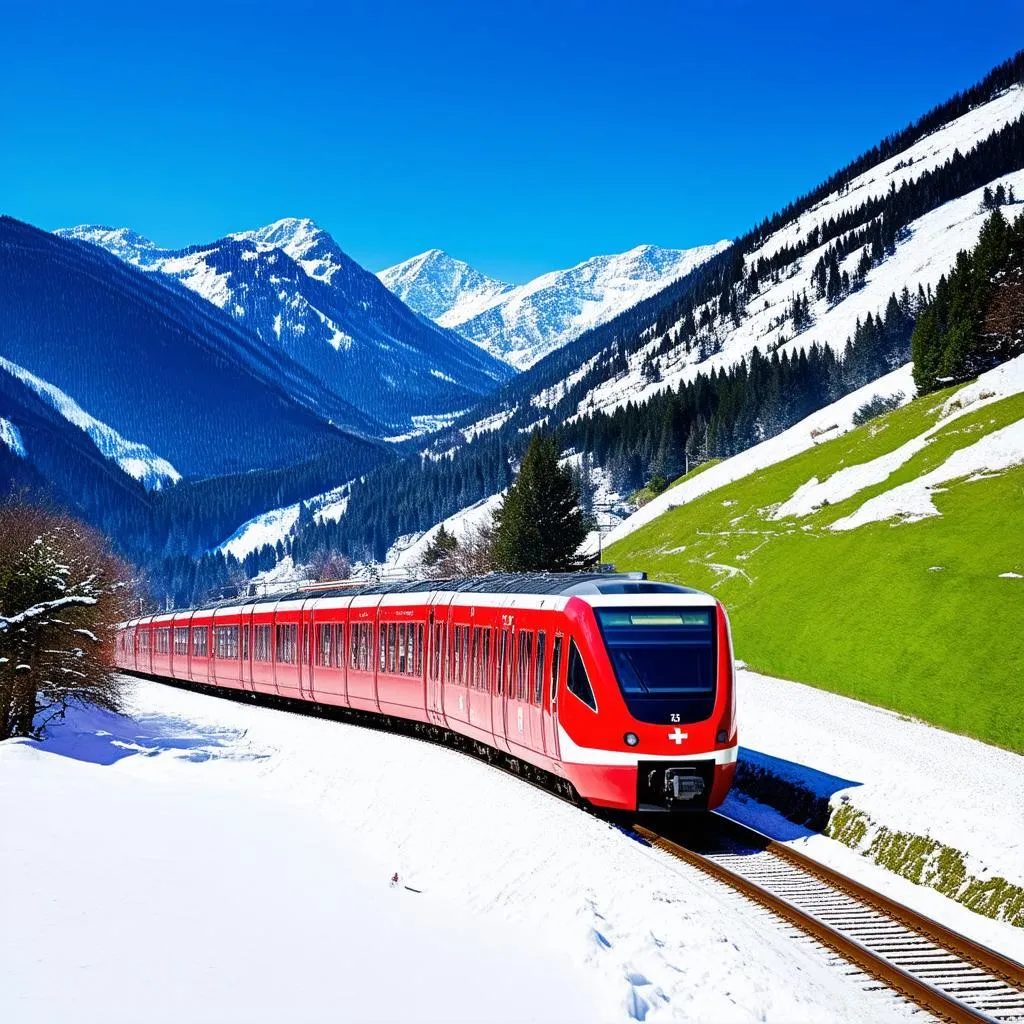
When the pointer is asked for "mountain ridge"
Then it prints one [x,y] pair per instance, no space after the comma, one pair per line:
[297,292]
[523,323]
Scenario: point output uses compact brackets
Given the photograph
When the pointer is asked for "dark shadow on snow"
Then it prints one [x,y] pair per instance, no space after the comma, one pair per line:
[100,737]
[798,792]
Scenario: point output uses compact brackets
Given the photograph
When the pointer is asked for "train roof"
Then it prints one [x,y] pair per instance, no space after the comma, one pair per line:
[541,584]
[538,583]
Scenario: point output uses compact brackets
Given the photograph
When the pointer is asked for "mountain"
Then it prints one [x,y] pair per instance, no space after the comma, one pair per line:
[521,324]
[148,360]
[443,288]
[291,285]
[811,304]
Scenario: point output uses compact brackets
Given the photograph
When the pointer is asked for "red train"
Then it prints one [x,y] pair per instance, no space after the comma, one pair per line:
[620,686]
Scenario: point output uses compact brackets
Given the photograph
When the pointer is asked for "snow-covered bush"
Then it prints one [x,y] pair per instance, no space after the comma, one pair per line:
[61,594]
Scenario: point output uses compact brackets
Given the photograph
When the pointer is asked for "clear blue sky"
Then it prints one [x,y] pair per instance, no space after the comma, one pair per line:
[520,137]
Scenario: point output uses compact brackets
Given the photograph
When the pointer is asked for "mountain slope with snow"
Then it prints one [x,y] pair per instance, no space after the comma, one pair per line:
[154,363]
[136,459]
[292,286]
[521,324]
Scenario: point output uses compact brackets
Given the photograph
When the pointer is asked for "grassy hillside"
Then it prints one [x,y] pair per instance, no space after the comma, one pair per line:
[911,616]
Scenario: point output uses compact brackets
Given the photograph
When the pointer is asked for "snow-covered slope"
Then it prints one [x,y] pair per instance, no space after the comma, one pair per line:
[924,251]
[292,286]
[239,865]
[10,437]
[136,459]
[521,324]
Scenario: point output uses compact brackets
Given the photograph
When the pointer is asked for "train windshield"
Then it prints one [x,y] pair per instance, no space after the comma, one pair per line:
[664,660]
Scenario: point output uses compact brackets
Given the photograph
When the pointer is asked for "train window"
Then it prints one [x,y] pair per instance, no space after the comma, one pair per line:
[382,641]
[578,682]
[287,643]
[144,640]
[392,634]
[485,683]
[163,641]
[435,652]
[556,658]
[538,669]
[325,644]
[200,647]
[261,643]
[354,633]
[410,649]
[474,672]
[305,645]
[502,645]
[456,673]
[522,666]
[225,640]
[402,660]
[245,643]
[419,650]
[339,645]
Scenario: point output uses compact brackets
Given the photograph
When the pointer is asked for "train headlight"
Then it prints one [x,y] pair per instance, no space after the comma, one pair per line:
[722,736]
[631,739]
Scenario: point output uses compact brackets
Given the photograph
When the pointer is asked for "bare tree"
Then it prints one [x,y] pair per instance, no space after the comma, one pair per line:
[62,593]
[470,555]
[328,566]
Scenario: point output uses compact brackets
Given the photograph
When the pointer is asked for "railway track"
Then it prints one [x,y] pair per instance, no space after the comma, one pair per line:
[945,973]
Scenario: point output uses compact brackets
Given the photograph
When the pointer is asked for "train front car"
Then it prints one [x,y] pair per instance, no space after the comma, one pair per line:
[648,721]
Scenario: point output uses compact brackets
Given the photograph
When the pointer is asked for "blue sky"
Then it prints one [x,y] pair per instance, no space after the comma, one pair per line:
[520,137]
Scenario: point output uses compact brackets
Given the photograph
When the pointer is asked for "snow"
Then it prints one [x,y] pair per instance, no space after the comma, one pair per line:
[1004,380]
[890,767]
[521,324]
[135,458]
[798,438]
[927,252]
[10,436]
[268,528]
[234,863]
[912,501]
[276,524]
[303,240]
[196,274]
[407,552]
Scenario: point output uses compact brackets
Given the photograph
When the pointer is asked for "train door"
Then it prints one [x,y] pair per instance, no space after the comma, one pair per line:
[245,645]
[502,646]
[536,697]
[517,724]
[478,690]
[555,675]
[306,650]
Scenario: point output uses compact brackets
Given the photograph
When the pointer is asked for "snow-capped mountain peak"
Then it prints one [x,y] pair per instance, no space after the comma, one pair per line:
[438,285]
[124,243]
[302,239]
[523,323]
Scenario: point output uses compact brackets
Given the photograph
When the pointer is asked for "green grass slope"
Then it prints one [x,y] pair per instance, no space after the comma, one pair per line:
[910,616]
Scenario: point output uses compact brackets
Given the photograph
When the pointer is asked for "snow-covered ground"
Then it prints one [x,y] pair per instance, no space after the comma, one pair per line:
[205,860]
[902,773]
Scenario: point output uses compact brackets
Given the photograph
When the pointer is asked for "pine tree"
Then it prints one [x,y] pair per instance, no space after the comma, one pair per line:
[539,526]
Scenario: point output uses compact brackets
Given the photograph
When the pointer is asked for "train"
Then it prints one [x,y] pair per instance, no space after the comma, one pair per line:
[619,688]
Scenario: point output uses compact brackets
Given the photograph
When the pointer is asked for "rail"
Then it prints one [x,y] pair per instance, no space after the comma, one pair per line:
[946,973]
